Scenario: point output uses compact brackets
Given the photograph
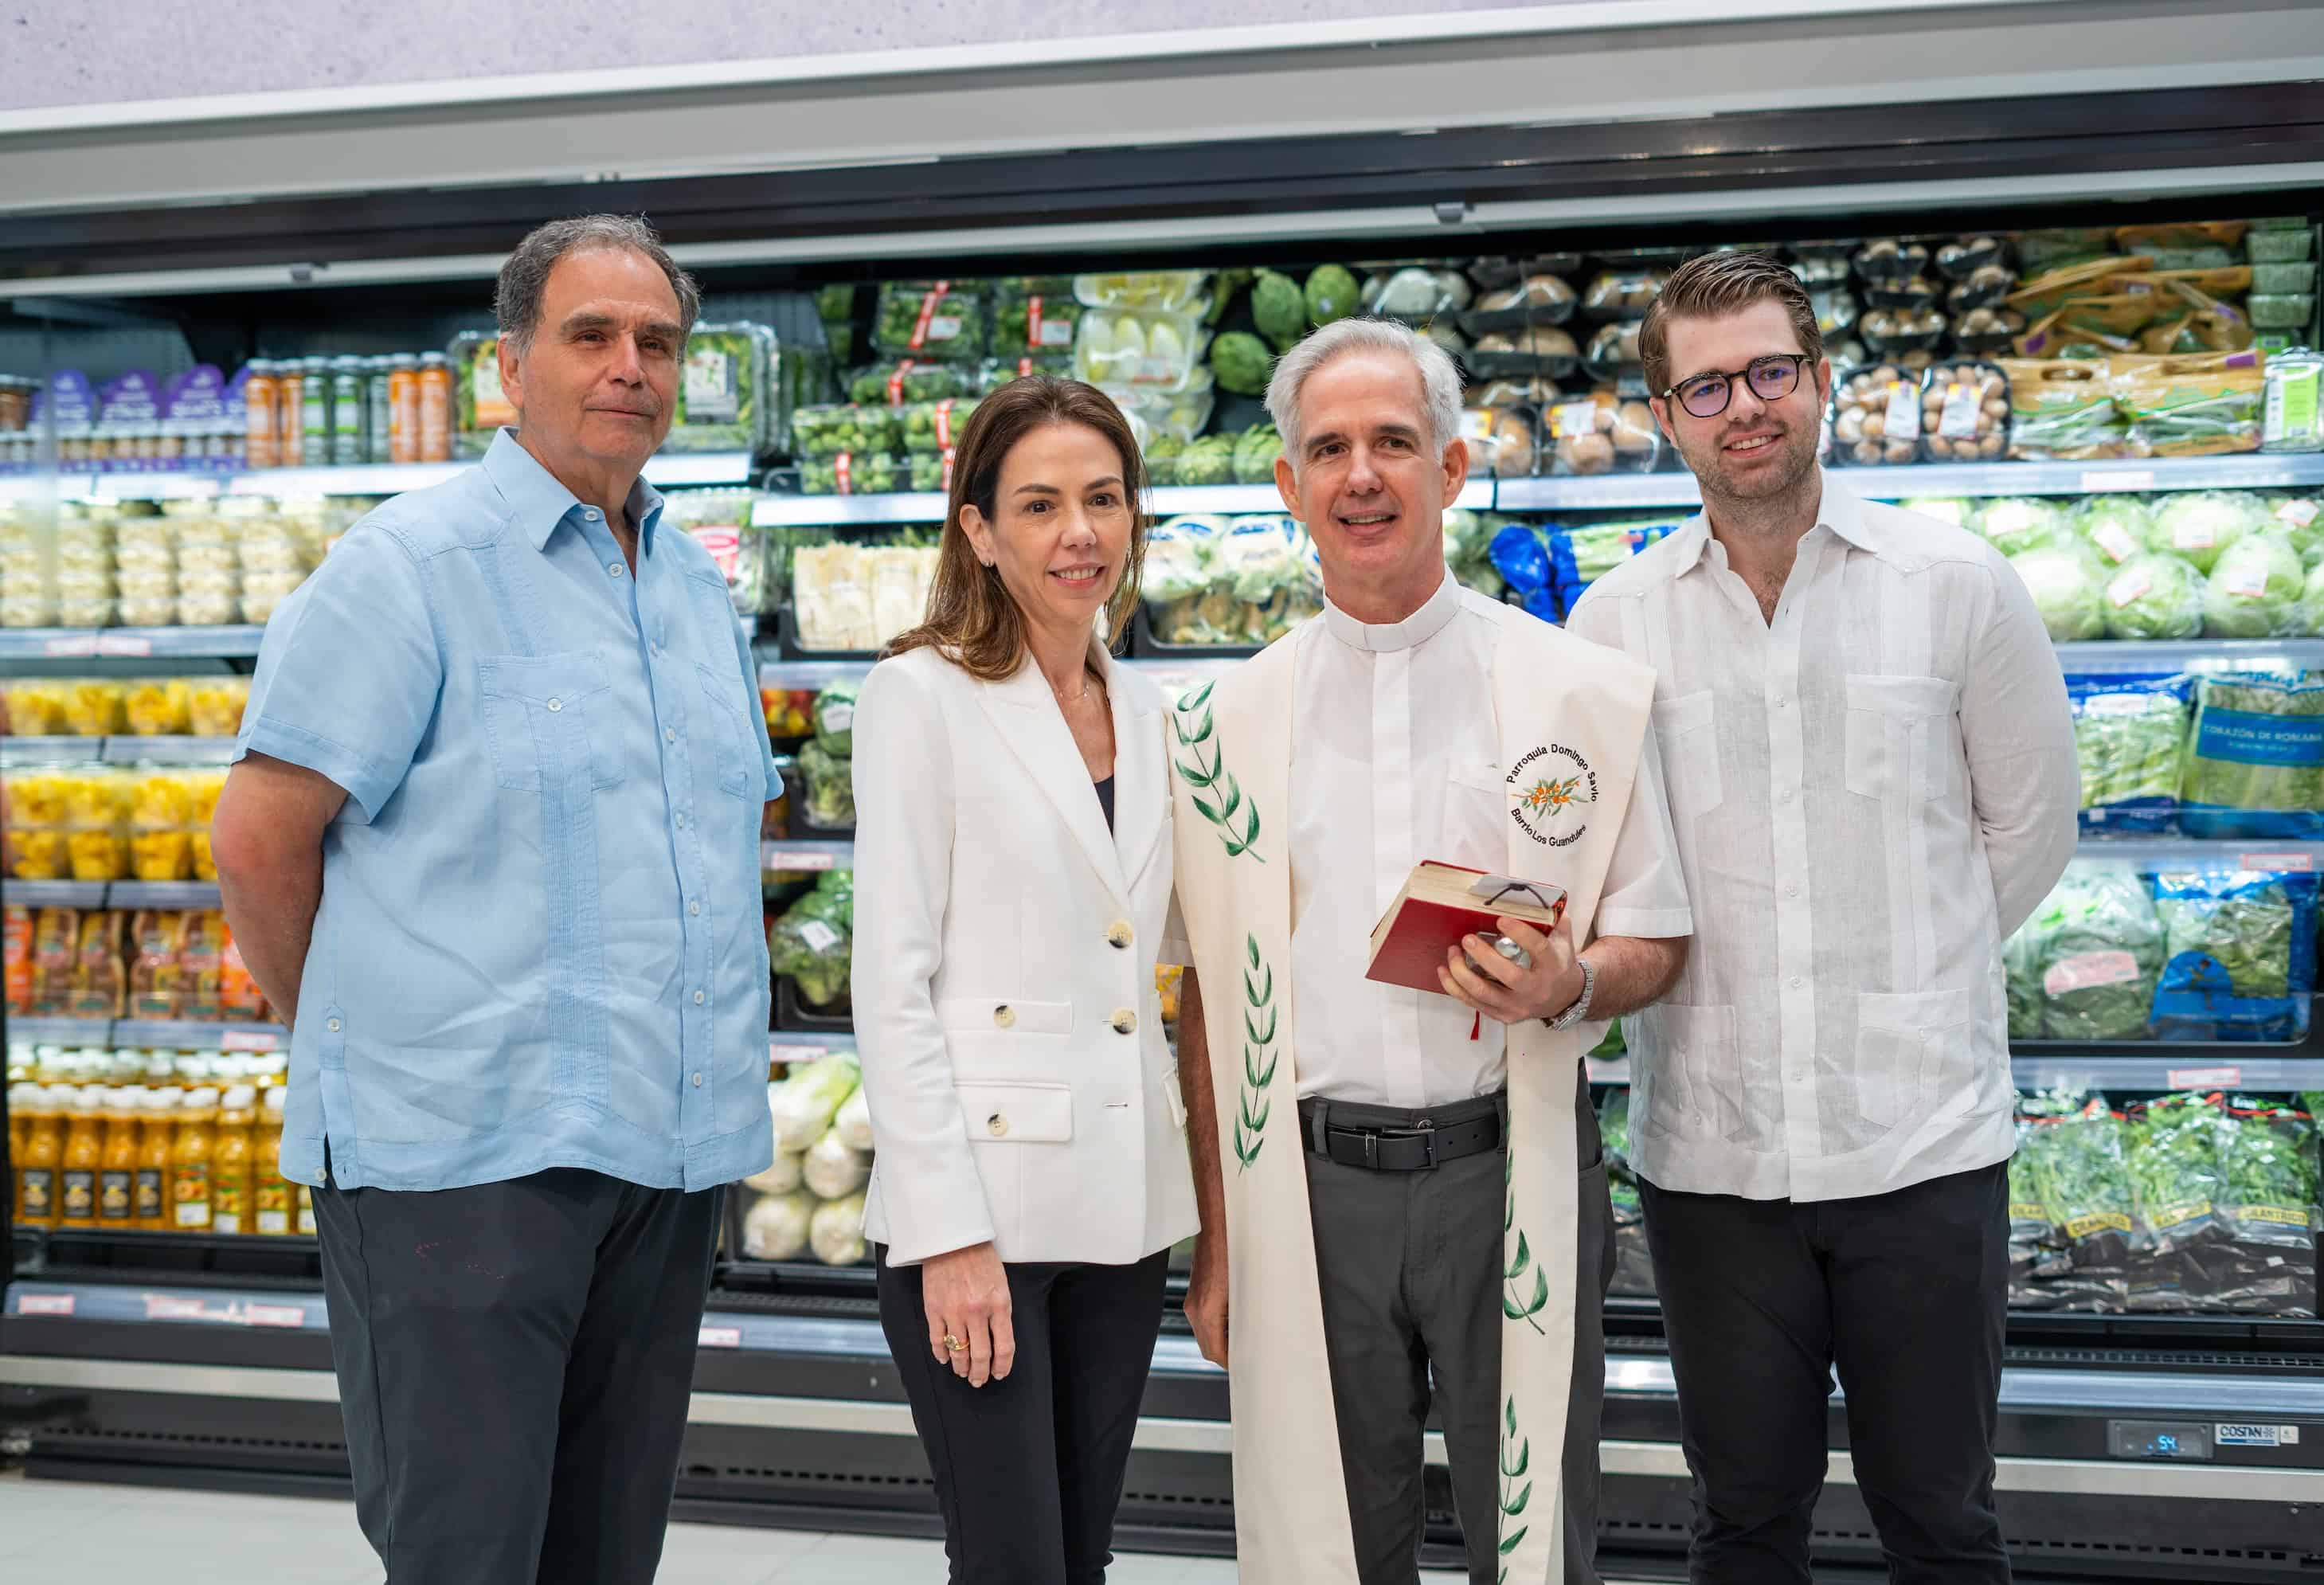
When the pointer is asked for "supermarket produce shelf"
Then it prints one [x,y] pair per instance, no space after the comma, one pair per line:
[2253,472]
[1169,671]
[806,1045]
[230,643]
[2191,654]
[2191,852]
[55,894]
[82,1032]
[112,894]
[169,751]
[147,1033]
[832,511]
[672,470]
[2127,1068]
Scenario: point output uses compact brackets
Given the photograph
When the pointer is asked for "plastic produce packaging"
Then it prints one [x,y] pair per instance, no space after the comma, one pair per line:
[835,1231]
[1907,336]
[2068,583]
[1579,558]
[1259,578]
[776,1227]
[214,705]
[1416,294]
[1165,291]
[2173,1161]
[1536,300]
[1888,260]
[2117,527]
[2292,407]
[782,1175]
[2127,733]
[932,427]
[854,473]
[1181,415]
[725,390]
[853,1122]
[1034,314]
[2201,524]
[1599,433]
[1536,351]
[2255,590]
[719,520]
[2099,948]
[2254,758]
[1875,416]
[1965,413]
[2242,954]
[1140,347]
[830,791]
[1501,441]
[2063,409]
[831,1169]
[95,707]
[2077,1164]
[804,1102]
[907,380]
[827,430]
[1624,294]
[2202,405]
[945,321]
[1987,332]
[2154,596]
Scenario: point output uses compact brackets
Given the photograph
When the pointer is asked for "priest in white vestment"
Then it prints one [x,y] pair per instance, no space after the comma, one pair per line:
[1403,1196]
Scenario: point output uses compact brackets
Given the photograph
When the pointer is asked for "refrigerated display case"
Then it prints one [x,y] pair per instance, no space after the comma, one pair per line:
[2156,1433]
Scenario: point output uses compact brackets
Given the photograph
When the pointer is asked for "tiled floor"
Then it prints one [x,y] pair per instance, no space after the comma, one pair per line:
[135,1536]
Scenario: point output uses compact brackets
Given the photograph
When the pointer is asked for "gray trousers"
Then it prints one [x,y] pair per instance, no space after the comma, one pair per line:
[1410,1268]
[515,1361]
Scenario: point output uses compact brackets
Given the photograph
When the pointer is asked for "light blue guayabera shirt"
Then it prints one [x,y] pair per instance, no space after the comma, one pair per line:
[540,940]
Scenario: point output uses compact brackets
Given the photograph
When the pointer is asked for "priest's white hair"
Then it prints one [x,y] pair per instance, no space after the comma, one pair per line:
[1440,377]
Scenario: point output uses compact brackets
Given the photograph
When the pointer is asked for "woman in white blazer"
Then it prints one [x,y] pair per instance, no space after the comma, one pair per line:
[1012,890]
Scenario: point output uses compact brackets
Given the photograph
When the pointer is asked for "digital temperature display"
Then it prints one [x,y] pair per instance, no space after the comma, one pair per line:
[2159,1439]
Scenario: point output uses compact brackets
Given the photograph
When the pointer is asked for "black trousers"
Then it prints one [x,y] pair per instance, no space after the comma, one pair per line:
[1029,1470]
[1410,1268]
[1906,1293]
[515,1361]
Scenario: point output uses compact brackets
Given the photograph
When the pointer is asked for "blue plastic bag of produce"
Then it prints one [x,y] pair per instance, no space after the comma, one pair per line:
[2128,731]
[2240,954]
[1579,558]
[2254,761]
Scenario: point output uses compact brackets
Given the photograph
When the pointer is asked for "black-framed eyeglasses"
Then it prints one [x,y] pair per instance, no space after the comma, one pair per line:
[1772,378]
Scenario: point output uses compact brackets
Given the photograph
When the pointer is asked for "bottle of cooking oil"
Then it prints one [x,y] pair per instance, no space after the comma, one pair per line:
[42,1154]
[116,1176]
[83,1157]
[274,1196]
[231,1209]
[189,1162]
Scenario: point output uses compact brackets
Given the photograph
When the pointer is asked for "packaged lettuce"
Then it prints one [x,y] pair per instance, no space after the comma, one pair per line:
[2254,589]
[2076,1150]
[2154,596]
[2021,964]
[2173,1150]
[2199,524]
[1468,551]
[1178,558]
[2068,583]
[811,944]
[2128,733]
[2099,948]
[803,1104]
[2117,527]
[2270,1204]
[2254,761]
[835,719]
[2302,517]
[1957,509]
[1256,453]
[2310,611]
[2017,524]
[2241,954]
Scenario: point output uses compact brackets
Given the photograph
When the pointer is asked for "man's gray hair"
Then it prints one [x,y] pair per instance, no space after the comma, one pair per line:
[524,279]
[1440,377]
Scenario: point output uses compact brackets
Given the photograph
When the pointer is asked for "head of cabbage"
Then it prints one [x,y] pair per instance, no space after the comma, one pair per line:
[2067,586]
[2154,596]
[2254,589]
[2117,527]
[2201,524]
[1957,509]
[1178,558]
[2018,523]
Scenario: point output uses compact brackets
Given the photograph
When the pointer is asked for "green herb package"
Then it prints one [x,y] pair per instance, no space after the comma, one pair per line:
[2099,948]
[725,390]
[2270,1204]
[942,321]
[2175,1153]
[2129,729]
[2077,1167]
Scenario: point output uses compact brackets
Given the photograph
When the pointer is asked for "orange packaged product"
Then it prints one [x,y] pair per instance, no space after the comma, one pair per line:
[117,1175]
[56,940]
[84,1156]
[240,1000]
[157,972]
[272,1197]
[202,959]
[43,1151]
[189,1162]
[149,1191]
[19,938]
[231,1154]
[100,977]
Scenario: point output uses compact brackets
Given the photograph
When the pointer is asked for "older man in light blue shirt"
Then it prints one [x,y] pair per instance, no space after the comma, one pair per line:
[493,833]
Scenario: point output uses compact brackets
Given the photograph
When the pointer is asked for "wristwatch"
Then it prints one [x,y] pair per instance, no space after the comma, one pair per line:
[1581,1008]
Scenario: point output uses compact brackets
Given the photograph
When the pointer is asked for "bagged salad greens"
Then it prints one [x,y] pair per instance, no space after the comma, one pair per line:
[2077,1167]
[2099,948]
[2128,733]
[2021,965]
[2241,954]
[1242,581]
[725,390]
[2254,761]
[2173,1156]
[2032,1255]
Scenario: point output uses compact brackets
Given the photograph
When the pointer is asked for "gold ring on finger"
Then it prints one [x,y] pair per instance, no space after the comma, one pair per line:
[953,1345]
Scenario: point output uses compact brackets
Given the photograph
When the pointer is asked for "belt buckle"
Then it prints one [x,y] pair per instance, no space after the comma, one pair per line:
[1426,1128]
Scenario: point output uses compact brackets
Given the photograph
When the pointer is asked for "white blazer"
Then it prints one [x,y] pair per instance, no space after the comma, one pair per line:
[1020,1088]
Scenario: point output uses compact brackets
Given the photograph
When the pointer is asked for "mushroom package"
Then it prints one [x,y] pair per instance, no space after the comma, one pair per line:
[1965,413]
[1875,416]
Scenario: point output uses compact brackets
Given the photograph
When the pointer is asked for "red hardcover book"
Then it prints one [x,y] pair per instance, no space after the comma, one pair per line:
[1442,903]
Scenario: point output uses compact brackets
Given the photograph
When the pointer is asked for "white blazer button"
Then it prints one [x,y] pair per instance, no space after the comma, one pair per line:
[1125,1022]
[996,1125]
[1006,1017]
[1120,934]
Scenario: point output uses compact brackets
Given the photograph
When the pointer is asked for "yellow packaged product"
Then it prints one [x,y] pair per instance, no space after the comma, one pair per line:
[94,707]
[214,705]
[36,708]
[160,816]
[203,788]
[35,828]
[158,707]
[96,811]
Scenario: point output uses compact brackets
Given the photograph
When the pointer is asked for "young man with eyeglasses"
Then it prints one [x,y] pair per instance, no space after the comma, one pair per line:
[1873,782]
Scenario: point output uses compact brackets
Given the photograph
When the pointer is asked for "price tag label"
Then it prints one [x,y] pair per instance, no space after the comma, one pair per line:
[2296,864]
[2204,1078]
[2095,480]
[249,1040]
[796,1052]
[795,858]
[174,1307]
[71,647]
[291,1315]
[721,1337]
[44,1303]
[130,644]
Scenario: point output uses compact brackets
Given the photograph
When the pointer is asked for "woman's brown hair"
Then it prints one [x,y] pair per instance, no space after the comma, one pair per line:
[972,619]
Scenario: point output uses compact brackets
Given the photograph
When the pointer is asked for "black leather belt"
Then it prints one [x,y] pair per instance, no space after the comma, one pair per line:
[1375,1139]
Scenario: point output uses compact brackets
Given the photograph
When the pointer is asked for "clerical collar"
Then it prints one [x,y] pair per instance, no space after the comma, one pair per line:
[1421,626]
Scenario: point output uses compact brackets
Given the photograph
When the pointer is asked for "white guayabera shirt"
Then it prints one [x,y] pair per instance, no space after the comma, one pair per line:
[1871,792]
[1395,759]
